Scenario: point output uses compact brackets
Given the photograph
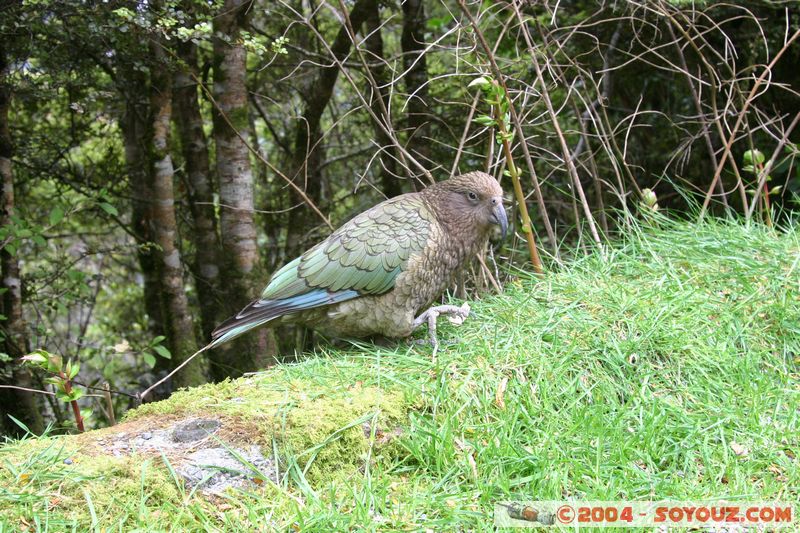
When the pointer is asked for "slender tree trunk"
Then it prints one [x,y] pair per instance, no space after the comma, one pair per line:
[200,187]
[238,230]
[135,134]
[412,42]
[20,404]
[180,329]
[390,183]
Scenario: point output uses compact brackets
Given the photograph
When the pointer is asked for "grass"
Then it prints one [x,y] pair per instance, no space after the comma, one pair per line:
[667,369]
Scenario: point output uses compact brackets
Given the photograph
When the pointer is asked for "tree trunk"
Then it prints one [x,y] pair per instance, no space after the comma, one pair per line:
[180,329]
[200,188]
[20,404]
[238,230]
[390,183]
[412,41]
[135,134]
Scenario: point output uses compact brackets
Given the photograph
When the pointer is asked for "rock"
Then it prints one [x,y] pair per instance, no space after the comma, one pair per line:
[194,430]
[217,469]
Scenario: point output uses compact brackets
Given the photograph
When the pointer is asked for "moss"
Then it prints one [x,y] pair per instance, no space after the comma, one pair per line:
[309,421]
[317,425]
[118,483]
[51,477]
[333,433]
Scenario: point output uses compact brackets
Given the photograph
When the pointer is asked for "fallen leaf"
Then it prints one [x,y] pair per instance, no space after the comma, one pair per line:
[499,395]
[778,472]
[739,450]
[472,465]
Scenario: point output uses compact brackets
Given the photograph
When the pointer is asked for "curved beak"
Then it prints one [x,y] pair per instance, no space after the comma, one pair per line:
[499,216]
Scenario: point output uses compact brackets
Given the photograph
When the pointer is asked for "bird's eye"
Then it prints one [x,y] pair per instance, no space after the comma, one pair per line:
[472,196]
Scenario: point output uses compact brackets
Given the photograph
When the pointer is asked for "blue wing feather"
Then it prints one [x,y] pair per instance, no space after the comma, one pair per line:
[262,311]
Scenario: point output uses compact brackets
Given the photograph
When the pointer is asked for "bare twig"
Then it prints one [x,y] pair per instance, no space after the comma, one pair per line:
[742,112]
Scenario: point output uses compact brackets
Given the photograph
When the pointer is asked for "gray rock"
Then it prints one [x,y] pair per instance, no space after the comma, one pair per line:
[217,469]
[194,430]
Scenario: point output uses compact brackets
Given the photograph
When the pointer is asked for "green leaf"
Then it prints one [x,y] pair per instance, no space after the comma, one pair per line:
[158,340]
[753,157]
[74,369]
[484,120]
[108,208]
[76,394]
[37,358]
[149,359]
[54,363]
[481,82]
[163,352]
[56,216]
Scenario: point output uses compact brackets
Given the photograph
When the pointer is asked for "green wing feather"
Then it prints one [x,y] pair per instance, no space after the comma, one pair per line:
[365,255]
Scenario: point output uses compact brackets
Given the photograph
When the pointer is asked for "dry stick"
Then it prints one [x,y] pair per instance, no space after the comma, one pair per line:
[573,172]
[605,85]
[472,110]
[109,404]
[140,397]
[498,75]
[386,123]
[762,177]
[739,119]
[607,139]
[713,94]
[48,393]
[699,109]
[464,135]
[403,153]
[250,148]
[260,157]
[489,274]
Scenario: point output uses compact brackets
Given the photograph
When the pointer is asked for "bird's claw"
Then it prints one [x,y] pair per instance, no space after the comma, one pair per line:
[457,315]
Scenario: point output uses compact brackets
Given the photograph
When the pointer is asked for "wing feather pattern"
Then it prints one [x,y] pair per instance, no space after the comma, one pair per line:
[363,257]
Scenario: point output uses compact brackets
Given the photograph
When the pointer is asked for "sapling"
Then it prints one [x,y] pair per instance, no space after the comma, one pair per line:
[495,95]
[61,376]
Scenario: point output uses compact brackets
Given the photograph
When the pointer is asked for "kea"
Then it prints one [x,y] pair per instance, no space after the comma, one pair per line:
[373,275]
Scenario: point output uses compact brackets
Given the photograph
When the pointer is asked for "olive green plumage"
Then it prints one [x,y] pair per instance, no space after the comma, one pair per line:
[376,272]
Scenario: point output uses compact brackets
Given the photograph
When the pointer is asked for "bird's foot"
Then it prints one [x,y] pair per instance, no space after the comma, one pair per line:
[457,316]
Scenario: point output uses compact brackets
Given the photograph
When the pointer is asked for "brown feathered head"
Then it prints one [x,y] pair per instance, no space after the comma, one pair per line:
[474,199]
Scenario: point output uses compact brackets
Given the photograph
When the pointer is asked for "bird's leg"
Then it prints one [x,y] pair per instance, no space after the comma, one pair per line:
[430,315]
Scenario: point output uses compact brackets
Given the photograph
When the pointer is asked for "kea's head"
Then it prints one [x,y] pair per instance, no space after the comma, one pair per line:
[470,201]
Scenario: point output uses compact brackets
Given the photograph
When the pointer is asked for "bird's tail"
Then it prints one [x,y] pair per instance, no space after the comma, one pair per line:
[261,312]
[232,328]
